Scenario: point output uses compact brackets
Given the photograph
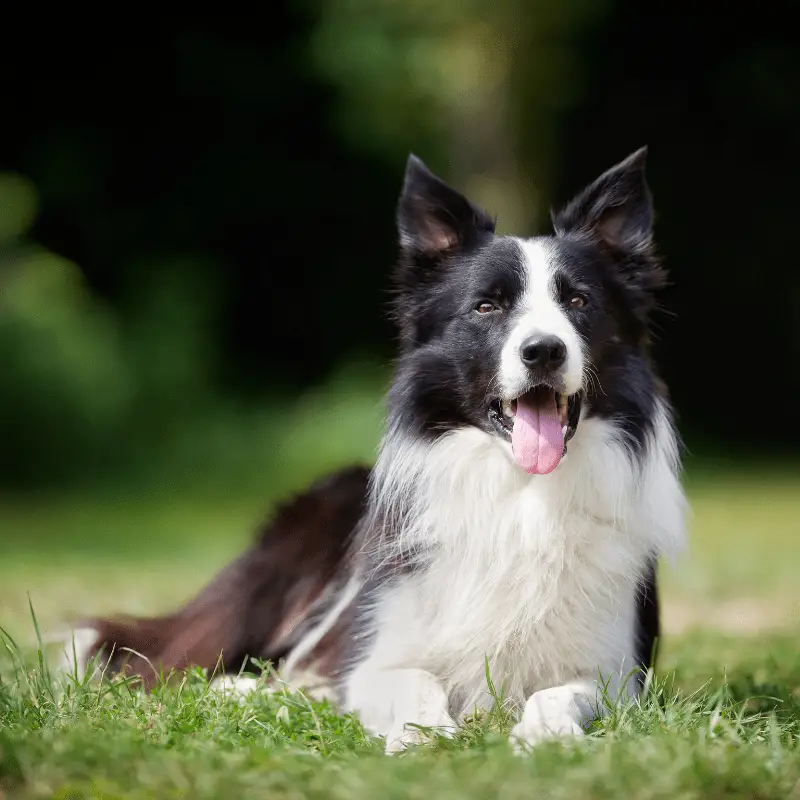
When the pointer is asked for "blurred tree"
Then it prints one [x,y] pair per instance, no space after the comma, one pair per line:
[209,137]
[473,87]
[718,106]
[63,384]
[215,199]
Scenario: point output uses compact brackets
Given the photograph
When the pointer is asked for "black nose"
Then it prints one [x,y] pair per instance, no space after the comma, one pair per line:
[543,352]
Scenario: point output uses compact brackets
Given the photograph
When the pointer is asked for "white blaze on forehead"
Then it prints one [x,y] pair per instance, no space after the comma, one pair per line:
[539,312]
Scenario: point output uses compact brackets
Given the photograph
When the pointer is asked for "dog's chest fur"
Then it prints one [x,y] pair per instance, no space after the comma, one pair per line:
[537,576]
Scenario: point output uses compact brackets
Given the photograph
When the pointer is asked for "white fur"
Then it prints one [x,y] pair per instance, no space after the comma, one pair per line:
[311,683]
[76,644]
[560,711]
[305,646]
[539,312]
[236,686]
[418,699]
[536,574]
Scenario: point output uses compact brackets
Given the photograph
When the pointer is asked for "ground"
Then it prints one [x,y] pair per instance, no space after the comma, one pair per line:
[722,718]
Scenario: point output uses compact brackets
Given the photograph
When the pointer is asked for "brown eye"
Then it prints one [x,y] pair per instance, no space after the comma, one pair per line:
[486,308]
[578,301]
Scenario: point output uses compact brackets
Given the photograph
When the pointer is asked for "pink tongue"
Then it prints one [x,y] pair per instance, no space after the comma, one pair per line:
[536,440]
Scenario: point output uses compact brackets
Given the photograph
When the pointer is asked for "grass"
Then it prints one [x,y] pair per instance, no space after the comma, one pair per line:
[722,719]
[66,739]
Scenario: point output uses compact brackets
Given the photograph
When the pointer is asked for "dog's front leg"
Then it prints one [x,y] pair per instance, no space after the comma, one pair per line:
[397,703]
[563,711]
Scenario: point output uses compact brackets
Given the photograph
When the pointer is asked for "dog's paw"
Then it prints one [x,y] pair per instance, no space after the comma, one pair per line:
[404,735]
[76,645]
[236,686]
[549,714]
[405,706]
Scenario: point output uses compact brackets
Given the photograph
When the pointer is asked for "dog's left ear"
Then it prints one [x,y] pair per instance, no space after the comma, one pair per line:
[617,208]
[433,219]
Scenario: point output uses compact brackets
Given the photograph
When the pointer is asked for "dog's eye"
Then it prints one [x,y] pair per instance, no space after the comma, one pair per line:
[486,308]
[577,301]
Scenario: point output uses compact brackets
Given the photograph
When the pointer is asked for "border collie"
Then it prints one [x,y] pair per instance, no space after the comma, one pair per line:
[527,482]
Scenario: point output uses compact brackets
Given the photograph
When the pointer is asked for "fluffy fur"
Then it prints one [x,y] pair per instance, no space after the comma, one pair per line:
[453,556]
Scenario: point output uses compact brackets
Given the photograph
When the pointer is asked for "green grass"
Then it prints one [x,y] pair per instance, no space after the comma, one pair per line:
[61,738]
[722,719]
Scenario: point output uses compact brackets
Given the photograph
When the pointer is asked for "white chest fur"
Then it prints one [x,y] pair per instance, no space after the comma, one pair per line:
[537,575]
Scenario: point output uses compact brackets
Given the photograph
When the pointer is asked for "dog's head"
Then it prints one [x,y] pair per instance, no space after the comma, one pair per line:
[513,335]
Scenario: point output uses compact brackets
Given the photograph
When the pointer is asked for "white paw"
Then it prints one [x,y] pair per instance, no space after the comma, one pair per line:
[554,713]
[401,736]
[406,706]
[313,685]
[76,645]
[420,710]
[237,686]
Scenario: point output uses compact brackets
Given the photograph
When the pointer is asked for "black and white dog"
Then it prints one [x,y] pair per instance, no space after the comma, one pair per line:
[526,484]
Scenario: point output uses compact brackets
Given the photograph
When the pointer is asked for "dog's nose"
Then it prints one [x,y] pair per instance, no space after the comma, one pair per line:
[546,353]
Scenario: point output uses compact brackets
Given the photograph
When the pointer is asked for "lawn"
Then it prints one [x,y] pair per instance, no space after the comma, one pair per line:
[722,719]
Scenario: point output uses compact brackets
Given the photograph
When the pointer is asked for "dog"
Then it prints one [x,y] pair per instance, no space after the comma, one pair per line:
[526,484]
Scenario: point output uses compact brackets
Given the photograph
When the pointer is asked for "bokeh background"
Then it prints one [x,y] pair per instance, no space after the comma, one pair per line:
[196,228]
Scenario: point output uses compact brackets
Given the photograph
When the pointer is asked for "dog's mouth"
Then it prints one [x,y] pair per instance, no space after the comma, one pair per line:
[538,423]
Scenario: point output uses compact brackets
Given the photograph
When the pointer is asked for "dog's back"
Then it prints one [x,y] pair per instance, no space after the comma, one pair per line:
[259,605]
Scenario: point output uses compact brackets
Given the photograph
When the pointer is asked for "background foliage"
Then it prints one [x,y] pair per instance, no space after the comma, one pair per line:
[197,223]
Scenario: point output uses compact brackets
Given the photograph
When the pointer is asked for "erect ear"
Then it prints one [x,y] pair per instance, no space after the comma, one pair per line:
[617,208]
[433,219]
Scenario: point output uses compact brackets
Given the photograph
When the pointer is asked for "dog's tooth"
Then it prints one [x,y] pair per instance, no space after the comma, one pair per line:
[564,431]
[563,408]
[508,411]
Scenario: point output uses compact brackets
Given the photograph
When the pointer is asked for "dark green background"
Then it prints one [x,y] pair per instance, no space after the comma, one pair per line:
[235,236]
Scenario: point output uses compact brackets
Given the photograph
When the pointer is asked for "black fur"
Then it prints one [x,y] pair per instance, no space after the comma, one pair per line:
[647,620]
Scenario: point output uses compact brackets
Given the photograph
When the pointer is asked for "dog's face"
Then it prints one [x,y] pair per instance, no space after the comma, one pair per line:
[512,335]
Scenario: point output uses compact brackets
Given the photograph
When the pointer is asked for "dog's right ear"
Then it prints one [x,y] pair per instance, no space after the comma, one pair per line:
[616,209]
[433,219]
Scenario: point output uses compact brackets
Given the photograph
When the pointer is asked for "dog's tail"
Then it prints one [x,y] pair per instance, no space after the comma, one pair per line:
[258,606]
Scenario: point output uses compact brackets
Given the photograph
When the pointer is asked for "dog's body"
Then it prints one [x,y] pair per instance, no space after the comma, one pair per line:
[477,540]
